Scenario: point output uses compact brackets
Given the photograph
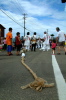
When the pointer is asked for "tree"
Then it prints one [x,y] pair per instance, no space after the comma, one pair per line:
[63,1]
[52,34]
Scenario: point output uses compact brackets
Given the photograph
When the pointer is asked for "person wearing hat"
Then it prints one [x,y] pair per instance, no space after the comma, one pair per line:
[9,41]
[18,43]
[61,40]
[27,39]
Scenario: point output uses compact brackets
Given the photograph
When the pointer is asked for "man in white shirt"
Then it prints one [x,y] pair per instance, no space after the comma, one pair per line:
[61,40]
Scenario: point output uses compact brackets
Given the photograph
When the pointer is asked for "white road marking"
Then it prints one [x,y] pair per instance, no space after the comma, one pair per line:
[61,85]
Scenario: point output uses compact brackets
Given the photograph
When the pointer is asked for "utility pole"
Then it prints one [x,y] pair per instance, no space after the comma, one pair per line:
[47,31]
[24,22]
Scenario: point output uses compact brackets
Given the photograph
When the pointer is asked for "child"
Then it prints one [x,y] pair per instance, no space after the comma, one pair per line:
[53,46]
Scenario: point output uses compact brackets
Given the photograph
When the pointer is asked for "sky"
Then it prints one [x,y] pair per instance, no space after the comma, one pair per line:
[41,15]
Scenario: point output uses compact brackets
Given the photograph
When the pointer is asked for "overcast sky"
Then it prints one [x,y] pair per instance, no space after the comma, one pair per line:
[41,15]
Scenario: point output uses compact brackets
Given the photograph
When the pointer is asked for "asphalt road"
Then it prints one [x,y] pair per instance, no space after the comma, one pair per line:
[13,75]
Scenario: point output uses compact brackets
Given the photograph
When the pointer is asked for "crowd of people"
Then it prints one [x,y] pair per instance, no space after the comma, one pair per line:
[32,42]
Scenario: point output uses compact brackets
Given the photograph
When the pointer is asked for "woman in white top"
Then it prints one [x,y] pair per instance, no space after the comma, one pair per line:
[46,44]
[27,39]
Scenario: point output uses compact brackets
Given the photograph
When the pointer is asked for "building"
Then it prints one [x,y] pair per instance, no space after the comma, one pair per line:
[2,34]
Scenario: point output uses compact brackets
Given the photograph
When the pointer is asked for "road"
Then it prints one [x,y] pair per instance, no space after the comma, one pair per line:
[13,75]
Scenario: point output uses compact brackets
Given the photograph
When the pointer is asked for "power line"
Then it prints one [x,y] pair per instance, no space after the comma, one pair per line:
[13,19]
[18,3]
[36,24]
[17,6]
[8,13]
[17,22]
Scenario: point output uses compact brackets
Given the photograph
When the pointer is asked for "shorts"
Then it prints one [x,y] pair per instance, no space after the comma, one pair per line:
[9,48]
[18,47]
[61,43]
[53,48]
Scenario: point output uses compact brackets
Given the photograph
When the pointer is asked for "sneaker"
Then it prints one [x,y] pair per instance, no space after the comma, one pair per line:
[58,53]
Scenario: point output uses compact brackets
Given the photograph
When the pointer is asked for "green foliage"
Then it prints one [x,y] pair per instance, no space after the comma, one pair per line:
[52,34]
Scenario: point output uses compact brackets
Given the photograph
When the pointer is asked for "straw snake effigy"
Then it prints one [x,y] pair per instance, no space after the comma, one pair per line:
[38,83]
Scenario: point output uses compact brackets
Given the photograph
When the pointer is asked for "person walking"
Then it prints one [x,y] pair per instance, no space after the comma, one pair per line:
[61,40]
[18,43]
[46,44]
[33,42]
[27,39]
[9,41]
